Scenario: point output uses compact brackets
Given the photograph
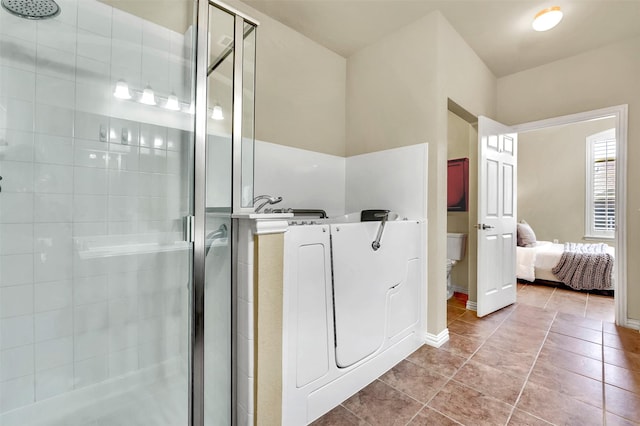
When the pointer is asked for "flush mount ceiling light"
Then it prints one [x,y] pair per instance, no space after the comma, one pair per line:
[547,18]
[217,112]
[122,90]
[148,97]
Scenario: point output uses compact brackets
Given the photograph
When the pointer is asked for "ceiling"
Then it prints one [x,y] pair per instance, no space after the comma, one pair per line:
[499,31]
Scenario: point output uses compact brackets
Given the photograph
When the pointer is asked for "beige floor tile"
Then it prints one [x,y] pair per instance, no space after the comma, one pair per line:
[430,417]
[440,360]
[622,403]
[469,406]
[628,360]
[568,383]
[579,364]
[573,320]
[417,382]
[558,408]
[461,345]
[339,416]
[572,344]
[491,381]
[621,377]
[520,418]
[578,332]
[380,404]
[513,363]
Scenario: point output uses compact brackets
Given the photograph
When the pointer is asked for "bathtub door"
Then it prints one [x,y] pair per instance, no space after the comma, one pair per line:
[364,281]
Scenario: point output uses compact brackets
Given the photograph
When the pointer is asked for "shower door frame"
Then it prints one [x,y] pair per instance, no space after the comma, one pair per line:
[197,323]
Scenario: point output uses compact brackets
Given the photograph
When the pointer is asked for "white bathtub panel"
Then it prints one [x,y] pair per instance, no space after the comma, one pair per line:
[313,335]
[308,264]
[363,279]
[304,179]
[394,179]
[405,304]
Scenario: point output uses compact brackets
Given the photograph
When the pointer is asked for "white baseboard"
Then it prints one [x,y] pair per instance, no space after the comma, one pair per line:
[472,306]
[458,289]
[632,323]
[437,340]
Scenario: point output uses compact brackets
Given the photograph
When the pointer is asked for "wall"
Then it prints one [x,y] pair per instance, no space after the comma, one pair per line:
[300,88]
[595,79]
[397,91]
[554,203]
[304,179]
[392,179]
[268,282]
[75,311]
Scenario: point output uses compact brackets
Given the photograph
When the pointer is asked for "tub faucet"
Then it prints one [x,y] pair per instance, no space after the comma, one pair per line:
[268,199]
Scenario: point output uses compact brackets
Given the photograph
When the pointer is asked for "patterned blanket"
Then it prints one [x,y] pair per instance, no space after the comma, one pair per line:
[585,266]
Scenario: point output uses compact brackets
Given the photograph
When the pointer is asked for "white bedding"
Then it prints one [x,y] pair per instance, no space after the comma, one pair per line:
[536,262]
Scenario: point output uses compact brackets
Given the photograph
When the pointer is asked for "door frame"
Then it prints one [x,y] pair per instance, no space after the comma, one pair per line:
[620,113]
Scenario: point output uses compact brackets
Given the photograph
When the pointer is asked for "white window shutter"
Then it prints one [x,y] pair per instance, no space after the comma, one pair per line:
[601,185]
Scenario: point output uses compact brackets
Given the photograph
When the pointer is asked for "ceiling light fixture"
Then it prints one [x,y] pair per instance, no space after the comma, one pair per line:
[148,97]
[217,112]
[547,18]
[122,90]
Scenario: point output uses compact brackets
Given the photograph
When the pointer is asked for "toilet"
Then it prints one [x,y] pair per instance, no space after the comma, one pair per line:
[456,245]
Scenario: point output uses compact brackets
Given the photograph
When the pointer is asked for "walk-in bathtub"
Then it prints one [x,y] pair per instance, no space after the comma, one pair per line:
[351,311]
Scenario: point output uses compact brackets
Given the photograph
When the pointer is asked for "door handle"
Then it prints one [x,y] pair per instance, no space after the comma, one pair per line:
[483,226]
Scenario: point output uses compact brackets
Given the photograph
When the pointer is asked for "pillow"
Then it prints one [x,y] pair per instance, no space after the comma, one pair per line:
[526,236]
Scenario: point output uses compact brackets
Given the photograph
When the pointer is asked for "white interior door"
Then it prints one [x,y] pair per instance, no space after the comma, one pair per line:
[497,145]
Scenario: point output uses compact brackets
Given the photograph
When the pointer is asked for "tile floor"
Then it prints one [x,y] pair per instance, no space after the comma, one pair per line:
[552,358]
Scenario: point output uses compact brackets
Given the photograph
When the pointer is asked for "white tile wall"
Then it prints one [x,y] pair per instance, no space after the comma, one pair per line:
[53,296]
[16,331]
[54,353]
[16,300]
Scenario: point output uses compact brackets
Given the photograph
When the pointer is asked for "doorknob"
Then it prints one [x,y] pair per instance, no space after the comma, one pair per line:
[483,226]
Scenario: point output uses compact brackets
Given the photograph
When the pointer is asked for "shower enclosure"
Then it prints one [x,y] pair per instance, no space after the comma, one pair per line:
[126,143]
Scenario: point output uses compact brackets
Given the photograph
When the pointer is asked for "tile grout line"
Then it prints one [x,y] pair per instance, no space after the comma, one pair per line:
[549,299]
[586,304]
[526,380]
[342,405]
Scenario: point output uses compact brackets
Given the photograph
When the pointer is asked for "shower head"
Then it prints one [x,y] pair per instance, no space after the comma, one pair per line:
[32,9]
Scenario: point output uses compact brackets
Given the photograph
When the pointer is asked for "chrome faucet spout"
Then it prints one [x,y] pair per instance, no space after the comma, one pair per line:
[268,199]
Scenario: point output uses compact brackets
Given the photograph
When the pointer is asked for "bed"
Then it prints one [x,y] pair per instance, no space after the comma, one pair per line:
[538,261]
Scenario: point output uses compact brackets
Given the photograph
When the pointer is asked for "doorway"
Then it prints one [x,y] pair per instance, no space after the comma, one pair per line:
[619,116]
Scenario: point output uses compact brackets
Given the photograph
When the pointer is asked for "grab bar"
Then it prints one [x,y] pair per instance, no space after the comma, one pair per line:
[375,245]
[299,212]
[310,212]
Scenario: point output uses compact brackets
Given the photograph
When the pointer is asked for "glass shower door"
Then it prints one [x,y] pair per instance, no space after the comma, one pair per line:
[96,159]
[217,293]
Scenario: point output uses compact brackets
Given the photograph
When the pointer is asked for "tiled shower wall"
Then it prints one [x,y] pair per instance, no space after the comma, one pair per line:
[83,171]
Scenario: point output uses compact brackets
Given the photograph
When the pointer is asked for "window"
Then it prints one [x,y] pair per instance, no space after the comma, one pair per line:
[601,185]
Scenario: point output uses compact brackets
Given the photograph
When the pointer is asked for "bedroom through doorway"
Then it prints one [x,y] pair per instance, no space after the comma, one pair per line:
[572,194]
[548,214]
[566,200]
